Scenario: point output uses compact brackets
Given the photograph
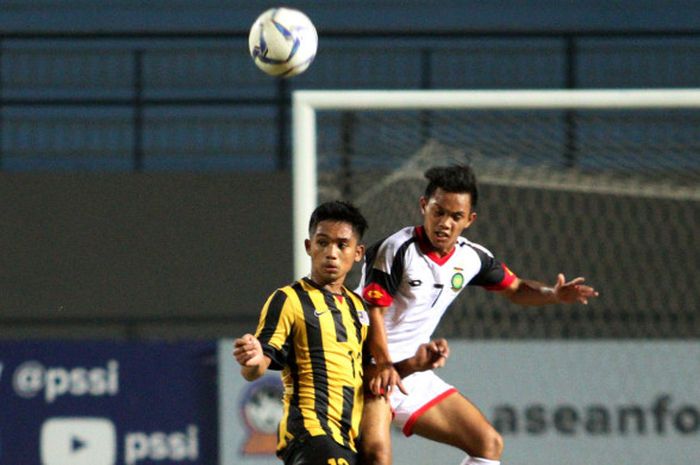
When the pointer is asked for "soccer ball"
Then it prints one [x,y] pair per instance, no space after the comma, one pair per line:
[283,42]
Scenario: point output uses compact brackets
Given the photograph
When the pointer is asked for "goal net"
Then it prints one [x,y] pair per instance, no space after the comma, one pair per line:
[603,184]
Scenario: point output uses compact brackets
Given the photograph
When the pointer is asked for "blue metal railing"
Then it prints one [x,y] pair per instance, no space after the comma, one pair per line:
[160,101]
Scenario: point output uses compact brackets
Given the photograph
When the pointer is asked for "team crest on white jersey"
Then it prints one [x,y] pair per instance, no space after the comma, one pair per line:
[457,281]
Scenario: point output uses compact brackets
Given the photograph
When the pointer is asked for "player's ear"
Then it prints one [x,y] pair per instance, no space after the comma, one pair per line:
[423,202]
[471,218]
[307,246]
[359,252]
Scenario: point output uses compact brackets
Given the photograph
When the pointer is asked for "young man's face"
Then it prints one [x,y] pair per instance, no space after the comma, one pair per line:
[333,249]
[445,216]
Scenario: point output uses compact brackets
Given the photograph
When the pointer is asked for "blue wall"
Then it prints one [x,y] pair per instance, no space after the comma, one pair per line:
[356,15]
[194,100]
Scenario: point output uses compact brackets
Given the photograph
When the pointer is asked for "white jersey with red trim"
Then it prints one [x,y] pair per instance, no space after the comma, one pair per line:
[417,285]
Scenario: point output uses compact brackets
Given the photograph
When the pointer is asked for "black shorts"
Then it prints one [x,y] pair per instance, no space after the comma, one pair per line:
[318,450]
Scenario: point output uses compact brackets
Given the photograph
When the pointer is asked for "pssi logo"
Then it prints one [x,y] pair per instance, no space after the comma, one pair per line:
[32,378]
[175,446]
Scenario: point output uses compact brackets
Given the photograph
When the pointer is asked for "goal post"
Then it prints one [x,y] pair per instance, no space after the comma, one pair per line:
[628,143]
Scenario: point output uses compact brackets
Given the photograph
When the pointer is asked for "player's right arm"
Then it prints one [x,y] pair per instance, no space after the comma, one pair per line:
[267,348]
[249,354]
[385,377]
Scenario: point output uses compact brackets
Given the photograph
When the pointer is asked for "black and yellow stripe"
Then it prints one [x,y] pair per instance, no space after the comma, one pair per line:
[316,338]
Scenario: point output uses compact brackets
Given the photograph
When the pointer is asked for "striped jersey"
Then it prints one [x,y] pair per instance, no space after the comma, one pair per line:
[417,285]
[315,337]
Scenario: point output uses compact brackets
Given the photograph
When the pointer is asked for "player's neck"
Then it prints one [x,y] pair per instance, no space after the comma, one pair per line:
[428,248]
[334,287]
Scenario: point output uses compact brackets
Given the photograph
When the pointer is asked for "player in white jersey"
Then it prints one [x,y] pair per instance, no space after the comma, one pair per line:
[409,279]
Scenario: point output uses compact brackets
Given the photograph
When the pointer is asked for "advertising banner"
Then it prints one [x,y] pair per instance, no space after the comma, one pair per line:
[248,413]
[573,403]
[103,403]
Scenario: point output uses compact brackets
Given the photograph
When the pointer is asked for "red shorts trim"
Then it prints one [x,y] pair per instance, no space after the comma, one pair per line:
[408,426]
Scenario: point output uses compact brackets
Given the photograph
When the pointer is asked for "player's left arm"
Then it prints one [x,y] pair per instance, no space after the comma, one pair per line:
[428,356]
[529,292]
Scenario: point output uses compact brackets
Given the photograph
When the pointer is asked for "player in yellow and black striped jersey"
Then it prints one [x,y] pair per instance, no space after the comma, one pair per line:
[314,331]
[327,332]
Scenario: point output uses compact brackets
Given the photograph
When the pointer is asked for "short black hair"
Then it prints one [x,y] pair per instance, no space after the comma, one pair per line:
[338,210]
[453,178]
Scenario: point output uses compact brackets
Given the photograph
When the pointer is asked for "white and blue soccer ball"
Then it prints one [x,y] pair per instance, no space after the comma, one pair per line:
[283,42]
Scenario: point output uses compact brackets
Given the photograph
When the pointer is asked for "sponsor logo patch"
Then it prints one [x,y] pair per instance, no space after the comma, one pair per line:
[375,294]
[363,317]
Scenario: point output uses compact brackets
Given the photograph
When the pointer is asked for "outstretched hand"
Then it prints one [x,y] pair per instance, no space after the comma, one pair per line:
[247,350]
[573,291]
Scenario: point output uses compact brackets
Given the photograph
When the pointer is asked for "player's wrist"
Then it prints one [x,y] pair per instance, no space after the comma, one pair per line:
[551,294]
[406,367]
[387,366]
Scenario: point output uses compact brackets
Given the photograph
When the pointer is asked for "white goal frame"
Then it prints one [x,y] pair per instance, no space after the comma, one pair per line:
[305,104]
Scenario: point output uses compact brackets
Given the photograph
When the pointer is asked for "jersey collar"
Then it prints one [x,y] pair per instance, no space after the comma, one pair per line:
[315,285]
